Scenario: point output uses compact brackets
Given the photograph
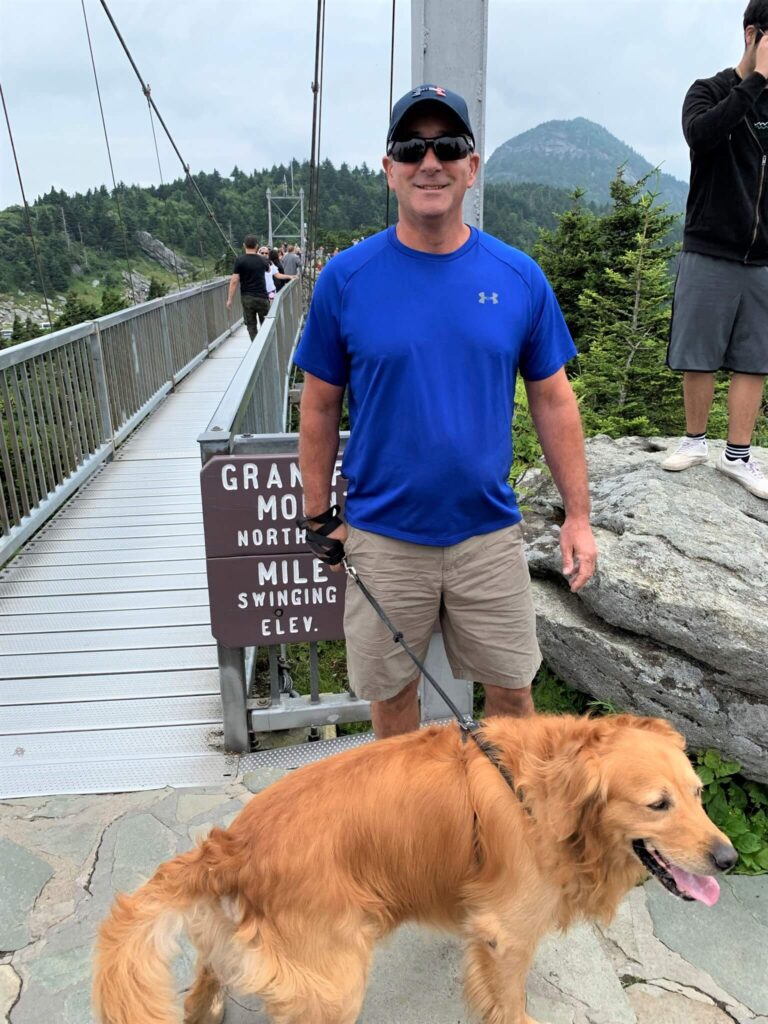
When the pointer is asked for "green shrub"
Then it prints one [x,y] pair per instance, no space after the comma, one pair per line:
[737,806]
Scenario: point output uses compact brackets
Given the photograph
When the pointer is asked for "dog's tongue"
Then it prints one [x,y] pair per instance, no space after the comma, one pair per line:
[702,887]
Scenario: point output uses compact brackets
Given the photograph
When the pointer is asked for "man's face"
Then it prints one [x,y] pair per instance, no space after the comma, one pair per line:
[430,190]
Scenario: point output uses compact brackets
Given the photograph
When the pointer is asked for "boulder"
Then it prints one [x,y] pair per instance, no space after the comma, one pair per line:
[675,622]
[136,285]
[159,252]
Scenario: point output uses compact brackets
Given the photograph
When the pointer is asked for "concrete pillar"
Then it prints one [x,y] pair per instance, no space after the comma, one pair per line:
[449,47]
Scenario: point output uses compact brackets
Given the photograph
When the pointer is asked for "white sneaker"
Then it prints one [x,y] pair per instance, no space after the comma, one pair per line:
[748,474]
[690,452]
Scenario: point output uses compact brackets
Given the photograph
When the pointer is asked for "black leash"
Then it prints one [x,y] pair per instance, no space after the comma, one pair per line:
[467,724]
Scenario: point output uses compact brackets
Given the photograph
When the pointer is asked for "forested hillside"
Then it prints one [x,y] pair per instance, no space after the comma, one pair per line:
[81,240]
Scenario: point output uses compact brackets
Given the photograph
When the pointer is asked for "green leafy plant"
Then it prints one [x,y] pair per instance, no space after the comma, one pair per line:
[603,707]
[553,697]
[738,806]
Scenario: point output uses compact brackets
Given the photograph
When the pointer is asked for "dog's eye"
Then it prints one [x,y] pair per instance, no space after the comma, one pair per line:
[660,805]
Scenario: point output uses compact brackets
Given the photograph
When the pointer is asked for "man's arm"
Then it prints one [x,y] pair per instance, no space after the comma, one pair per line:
[555,415]
[234,283]
[319,445]
[705,123]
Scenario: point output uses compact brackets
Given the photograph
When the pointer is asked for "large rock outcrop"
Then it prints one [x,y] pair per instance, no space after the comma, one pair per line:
[159,252]
[675,622]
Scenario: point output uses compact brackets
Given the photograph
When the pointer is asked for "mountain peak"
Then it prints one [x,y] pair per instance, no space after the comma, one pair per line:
[575,153]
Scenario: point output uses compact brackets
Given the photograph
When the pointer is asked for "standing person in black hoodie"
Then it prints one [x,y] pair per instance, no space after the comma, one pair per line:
[720,310]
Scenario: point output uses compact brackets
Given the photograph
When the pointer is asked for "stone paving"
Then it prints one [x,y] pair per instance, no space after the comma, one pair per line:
[63,858]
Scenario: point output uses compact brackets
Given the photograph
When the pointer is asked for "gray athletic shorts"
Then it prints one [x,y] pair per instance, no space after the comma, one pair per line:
[479,589]
[719,316]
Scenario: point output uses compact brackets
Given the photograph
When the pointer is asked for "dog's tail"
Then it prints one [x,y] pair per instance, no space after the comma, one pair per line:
[132,978]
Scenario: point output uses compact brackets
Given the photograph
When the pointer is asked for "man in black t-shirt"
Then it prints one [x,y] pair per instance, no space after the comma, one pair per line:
[248,272]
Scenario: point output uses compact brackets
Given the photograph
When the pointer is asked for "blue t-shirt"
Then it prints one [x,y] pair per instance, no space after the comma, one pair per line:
[429,347]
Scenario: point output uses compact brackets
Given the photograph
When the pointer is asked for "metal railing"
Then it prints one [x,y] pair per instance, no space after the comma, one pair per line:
[70,398]
[256,400]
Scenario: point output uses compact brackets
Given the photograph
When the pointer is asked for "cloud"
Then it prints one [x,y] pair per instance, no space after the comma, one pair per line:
[233,81]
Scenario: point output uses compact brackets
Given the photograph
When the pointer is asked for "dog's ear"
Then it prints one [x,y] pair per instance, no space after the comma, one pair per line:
[657,725]
[571,788]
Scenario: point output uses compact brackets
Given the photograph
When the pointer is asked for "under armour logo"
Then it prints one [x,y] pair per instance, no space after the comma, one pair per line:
[482,297]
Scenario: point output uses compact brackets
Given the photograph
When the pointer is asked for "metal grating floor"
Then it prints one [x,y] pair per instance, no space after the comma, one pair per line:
[108,671]
[304,753]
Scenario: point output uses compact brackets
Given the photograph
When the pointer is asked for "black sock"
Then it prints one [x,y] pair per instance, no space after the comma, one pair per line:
[734,452]
[696,437]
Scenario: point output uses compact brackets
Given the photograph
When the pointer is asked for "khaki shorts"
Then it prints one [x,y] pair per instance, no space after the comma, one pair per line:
[479,590]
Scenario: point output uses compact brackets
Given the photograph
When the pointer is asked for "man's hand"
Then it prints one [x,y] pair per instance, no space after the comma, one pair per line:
[229,303]
[340,533]
[579,551]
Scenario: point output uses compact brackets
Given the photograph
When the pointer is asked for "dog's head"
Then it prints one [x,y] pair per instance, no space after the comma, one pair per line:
[620,789]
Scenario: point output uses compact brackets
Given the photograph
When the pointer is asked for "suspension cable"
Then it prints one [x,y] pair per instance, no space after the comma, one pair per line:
[314,159]
[319,129]
[160,172]
[146,91]
[26,209]
[391,85]
[115,192]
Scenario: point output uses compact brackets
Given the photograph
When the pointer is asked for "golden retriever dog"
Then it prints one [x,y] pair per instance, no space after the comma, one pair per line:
[290,900]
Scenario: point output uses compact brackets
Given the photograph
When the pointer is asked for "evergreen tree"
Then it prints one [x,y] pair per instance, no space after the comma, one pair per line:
[624,385]
[32,330]
[572,259]
[112,299]
[156,289]
[17,330]
[76,311]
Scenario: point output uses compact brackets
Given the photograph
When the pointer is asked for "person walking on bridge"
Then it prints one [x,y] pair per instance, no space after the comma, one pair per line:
[720,309]
[425,326]
[292,261]
[248,272]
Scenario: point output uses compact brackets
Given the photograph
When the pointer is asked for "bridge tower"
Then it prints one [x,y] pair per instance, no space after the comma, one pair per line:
[285,215]
[449,47]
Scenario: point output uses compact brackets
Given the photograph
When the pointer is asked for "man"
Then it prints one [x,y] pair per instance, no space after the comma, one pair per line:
[248,272]
[720,311]
[425,325]
[291,261]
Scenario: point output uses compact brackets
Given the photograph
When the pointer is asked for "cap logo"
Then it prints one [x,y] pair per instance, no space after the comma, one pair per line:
[438,90]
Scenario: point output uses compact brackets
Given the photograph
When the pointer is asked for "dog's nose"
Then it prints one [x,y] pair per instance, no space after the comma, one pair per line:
[723,856]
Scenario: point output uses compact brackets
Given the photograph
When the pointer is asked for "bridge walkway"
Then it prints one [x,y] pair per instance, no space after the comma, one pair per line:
[108,670]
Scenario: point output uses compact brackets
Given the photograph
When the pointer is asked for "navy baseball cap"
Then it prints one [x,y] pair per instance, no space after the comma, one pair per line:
[432,94]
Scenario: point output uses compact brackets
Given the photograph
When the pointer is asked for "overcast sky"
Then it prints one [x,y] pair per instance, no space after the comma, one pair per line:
[232,79]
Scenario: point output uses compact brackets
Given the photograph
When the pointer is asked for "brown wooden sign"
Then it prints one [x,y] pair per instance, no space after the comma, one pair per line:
[264,585]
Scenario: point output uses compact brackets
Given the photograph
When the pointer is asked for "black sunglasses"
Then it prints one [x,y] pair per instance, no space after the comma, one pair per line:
[445,147]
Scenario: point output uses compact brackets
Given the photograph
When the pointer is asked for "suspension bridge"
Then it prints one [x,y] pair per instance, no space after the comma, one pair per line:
[110,677]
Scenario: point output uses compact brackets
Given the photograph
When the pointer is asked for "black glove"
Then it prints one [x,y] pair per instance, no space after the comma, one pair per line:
[328,549]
